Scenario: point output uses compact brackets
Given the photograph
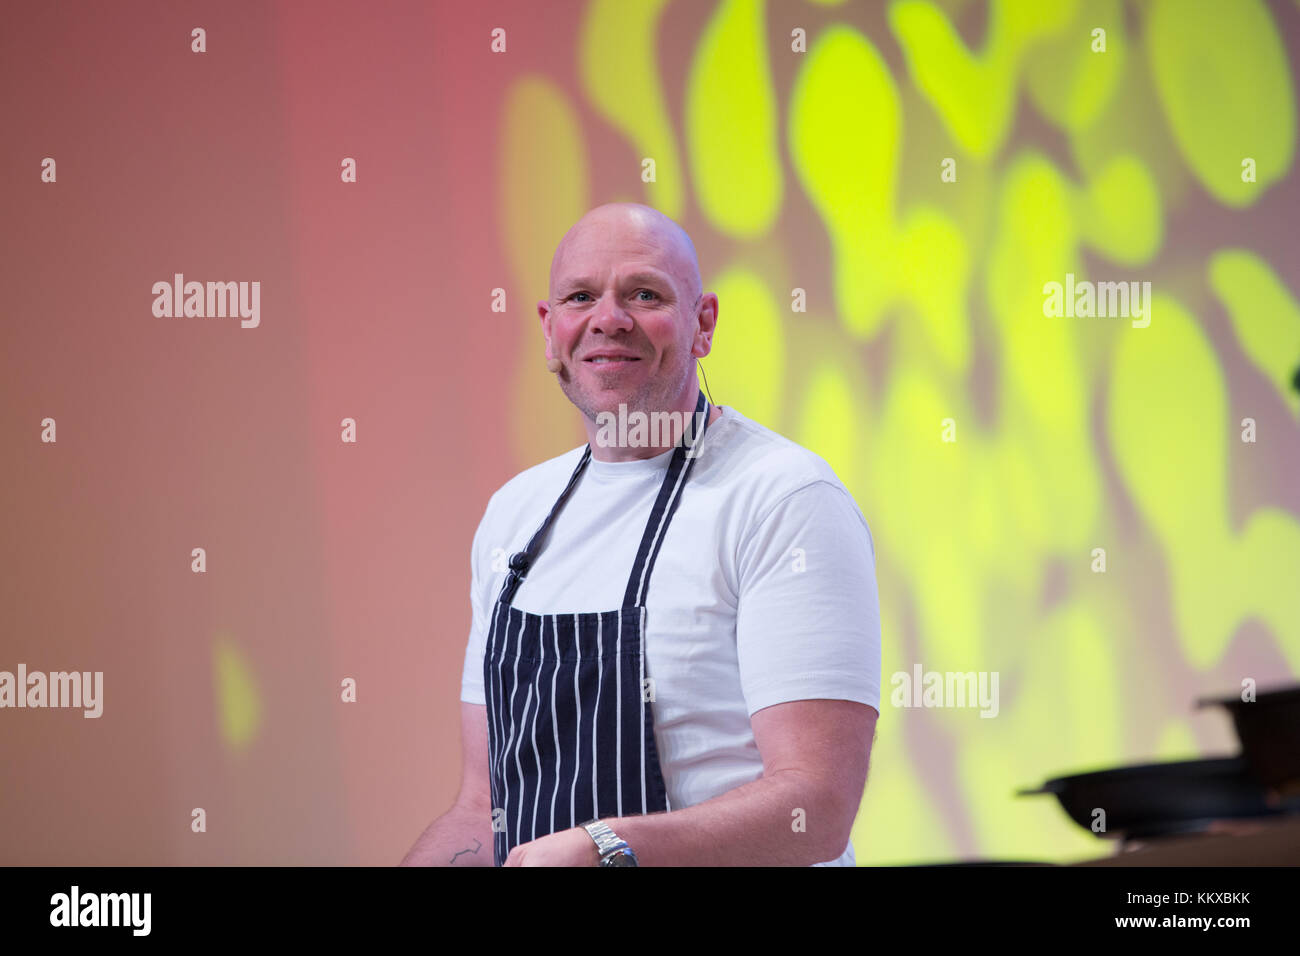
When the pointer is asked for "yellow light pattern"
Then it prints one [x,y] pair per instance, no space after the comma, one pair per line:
[1073,434]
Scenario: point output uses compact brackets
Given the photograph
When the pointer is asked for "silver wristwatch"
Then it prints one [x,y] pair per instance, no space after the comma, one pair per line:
[614,850]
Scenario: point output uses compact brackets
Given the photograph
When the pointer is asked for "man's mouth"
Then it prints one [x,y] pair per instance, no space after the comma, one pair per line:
[611,359]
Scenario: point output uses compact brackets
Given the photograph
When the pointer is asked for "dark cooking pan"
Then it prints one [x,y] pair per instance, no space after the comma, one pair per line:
[1158,799]
[1269,730]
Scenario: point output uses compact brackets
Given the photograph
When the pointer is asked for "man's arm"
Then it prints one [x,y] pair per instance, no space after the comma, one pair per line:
[463,835]
[815,758]
[800,812]
[807,631]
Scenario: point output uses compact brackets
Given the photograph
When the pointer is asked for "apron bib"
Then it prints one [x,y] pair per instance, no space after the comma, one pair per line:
[570,732]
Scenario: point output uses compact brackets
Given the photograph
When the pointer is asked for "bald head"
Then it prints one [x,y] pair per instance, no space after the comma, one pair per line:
[635,226]
[627,318]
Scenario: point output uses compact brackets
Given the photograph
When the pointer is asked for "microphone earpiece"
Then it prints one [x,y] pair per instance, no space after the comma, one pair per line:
[553,365]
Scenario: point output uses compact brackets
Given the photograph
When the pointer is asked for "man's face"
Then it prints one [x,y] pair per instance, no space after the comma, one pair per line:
[622,318]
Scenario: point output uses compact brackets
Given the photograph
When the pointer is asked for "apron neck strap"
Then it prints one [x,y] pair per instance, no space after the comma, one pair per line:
[670,491]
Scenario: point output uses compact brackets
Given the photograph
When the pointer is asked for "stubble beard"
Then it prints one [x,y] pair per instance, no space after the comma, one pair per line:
[653,395]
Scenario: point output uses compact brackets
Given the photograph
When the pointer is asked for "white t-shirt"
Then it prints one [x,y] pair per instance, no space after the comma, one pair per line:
[764,590]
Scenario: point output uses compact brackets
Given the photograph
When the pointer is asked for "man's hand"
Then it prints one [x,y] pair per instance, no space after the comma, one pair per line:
[573,847]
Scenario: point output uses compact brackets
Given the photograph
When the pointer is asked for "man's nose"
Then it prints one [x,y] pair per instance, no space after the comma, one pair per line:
[610,316]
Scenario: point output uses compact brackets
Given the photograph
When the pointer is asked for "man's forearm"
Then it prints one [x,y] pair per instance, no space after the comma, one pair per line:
[784,819]
[460,837]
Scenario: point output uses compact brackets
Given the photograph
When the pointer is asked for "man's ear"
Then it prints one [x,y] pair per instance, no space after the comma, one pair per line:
[708,321]
[544,313]
[703,345]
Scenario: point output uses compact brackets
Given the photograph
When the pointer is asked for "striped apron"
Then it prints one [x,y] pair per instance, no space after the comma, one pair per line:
[570,729]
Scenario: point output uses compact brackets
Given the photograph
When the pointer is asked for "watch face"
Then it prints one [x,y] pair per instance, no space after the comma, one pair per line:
[623,857]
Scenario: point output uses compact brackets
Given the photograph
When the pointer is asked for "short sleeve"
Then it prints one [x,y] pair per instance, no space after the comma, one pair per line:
[471,678]
[808,614]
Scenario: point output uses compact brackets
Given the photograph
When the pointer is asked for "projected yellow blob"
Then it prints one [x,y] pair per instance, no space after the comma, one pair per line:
[1021,511]
[1264,315]
[844,130]
[1223,80]
[1061,711]
[936,290]
[992,496]
[924,480]
[1072,673]
[831,424]
[239,705]
[746,368]
[1043,394]
[974,96]
[1168,429]
[1069,77]
[934,271]
[1133,123]
[543,193]
[543,190]
[731,123]
[1266,561]
[1035,242]
[902,819]
[1177,742]
[1120,212]
[1032,828]
[844,142]
[1168,424]
[620,75]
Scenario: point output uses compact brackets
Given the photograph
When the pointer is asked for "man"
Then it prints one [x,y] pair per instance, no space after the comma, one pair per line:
[682,664]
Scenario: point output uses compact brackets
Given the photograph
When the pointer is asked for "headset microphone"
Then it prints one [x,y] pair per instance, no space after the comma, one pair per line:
[553,365]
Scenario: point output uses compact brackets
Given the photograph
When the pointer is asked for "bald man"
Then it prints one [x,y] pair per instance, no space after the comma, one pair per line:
[675,650]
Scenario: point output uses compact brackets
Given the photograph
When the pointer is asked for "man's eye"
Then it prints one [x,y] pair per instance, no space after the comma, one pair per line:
[647,292]
[576,294]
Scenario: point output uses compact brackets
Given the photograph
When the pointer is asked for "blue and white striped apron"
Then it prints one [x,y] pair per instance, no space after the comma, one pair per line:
[570,732]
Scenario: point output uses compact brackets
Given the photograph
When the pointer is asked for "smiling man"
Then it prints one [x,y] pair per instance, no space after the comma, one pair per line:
[680,664]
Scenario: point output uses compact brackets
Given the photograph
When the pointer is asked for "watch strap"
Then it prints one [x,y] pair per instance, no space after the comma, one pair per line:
[607,841]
